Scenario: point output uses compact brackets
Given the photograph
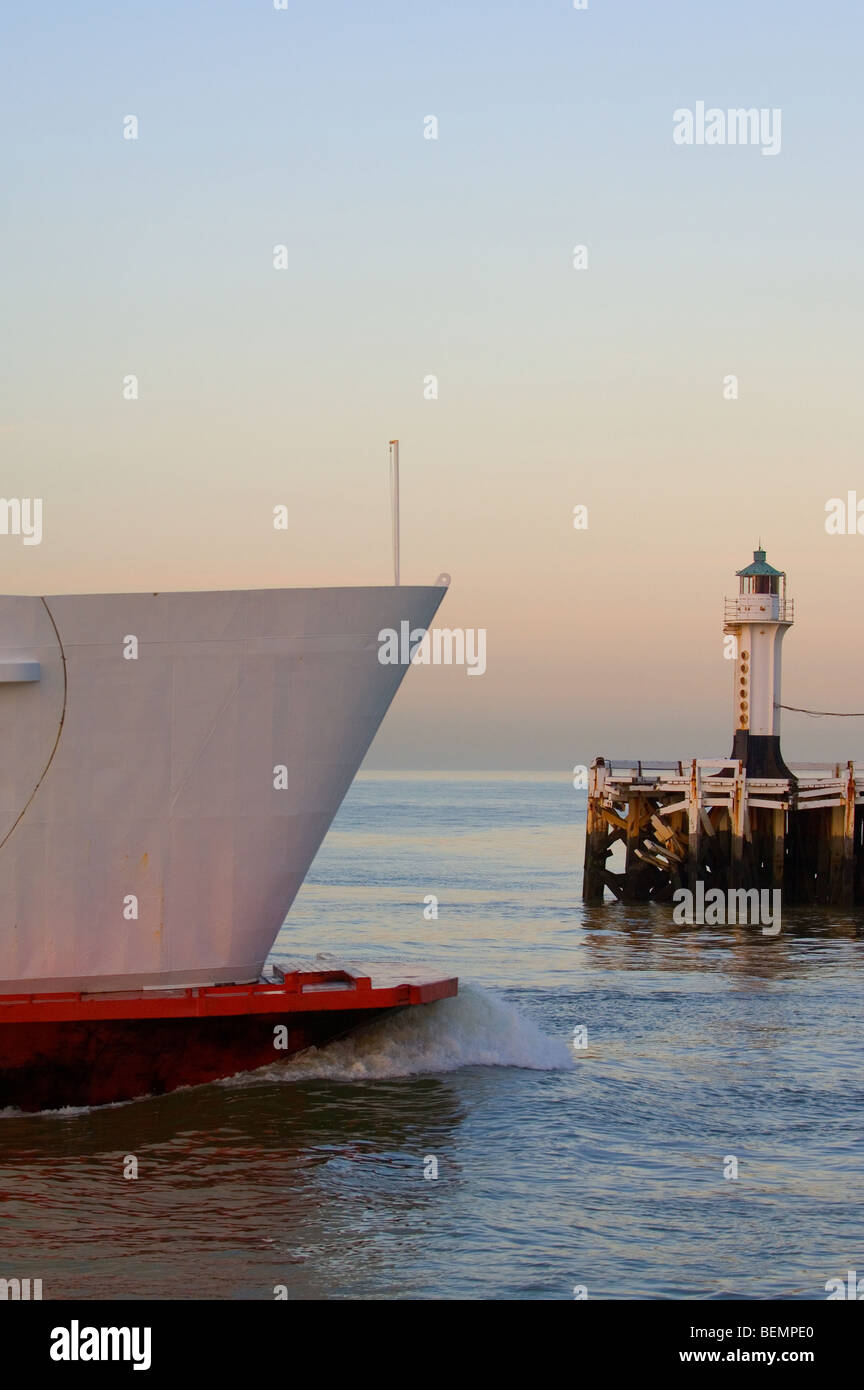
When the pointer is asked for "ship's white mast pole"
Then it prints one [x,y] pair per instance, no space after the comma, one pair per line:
[394,501]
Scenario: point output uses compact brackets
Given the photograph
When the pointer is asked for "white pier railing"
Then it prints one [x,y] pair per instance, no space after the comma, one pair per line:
[714,780]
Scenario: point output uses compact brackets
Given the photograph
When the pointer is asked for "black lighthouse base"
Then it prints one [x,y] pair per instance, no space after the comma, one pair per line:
[760,754]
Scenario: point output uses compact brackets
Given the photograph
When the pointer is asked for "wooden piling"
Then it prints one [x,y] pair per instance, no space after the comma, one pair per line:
[737,872]
[596,837]
[778,850]
[707,821]
[841,873]
[694,829]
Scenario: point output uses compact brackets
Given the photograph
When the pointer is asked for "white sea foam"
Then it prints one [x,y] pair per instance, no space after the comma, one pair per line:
[11,1112]
[476,1028]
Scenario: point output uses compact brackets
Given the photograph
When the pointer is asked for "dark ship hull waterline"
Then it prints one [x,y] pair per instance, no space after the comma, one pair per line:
[158,814]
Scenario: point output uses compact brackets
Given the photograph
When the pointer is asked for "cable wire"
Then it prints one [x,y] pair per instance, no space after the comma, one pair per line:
[820,713]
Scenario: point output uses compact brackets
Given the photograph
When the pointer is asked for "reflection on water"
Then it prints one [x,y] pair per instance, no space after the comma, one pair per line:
[602,1165]
[238,1189]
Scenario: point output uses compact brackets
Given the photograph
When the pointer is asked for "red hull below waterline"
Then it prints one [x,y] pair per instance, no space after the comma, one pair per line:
[78,1049]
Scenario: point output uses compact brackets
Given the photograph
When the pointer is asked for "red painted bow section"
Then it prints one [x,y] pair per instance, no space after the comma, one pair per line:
[93,1049]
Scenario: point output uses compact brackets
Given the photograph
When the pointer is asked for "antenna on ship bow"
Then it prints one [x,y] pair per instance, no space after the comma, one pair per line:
[394,504]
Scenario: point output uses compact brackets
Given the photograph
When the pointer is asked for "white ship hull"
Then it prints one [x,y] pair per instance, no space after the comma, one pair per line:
[147,785]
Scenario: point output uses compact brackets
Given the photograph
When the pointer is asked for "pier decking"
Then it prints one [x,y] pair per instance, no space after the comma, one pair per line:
[706,819]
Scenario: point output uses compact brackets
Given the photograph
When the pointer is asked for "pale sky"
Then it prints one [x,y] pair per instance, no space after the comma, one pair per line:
[409,257]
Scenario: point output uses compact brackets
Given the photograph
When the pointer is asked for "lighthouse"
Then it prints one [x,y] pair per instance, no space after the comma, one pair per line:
[759,618]
[754,826]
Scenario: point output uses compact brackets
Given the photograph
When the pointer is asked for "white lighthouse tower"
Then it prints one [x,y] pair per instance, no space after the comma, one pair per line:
[759,618]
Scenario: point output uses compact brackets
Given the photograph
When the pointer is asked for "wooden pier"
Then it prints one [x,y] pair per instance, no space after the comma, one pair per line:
[706,819]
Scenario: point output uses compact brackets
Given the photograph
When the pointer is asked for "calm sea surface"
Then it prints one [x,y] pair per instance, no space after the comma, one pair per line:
[601,1166]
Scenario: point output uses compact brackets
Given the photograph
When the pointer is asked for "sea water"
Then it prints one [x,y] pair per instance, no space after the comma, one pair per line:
[614,1106]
